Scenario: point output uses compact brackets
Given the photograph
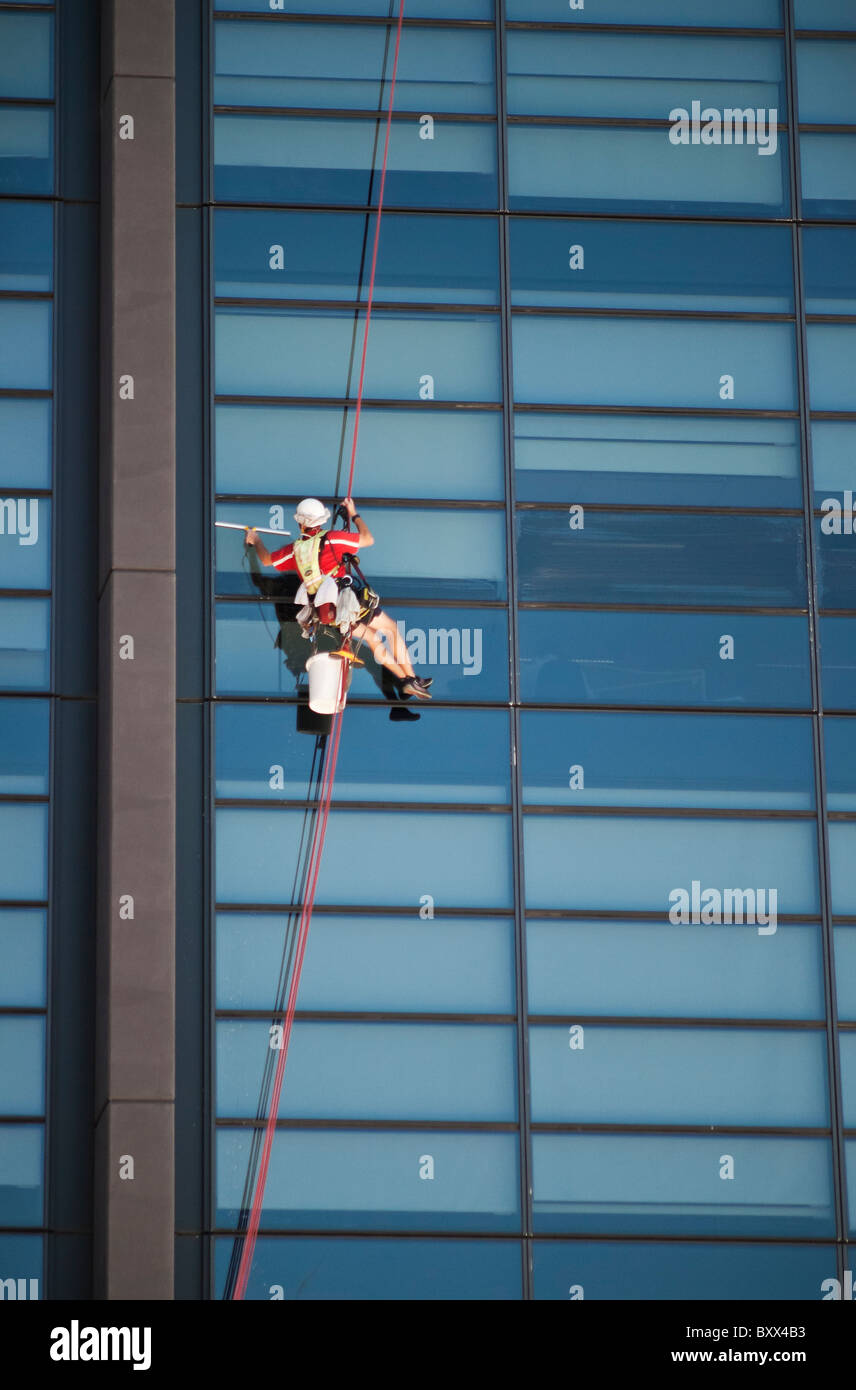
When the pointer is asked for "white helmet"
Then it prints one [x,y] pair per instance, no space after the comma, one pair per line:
[311,512]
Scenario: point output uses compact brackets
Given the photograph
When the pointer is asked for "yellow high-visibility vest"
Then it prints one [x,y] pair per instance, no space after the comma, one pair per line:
[306,552]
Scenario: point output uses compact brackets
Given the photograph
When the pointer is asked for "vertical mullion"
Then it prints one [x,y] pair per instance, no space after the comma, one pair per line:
[827,933]
[523,1098]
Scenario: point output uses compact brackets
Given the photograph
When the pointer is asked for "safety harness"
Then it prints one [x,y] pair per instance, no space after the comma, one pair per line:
[307,557]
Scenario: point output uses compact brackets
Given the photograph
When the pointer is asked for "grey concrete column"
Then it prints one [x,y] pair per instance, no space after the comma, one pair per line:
[135,1046]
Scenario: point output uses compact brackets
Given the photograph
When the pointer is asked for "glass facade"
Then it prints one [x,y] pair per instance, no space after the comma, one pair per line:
[607,423]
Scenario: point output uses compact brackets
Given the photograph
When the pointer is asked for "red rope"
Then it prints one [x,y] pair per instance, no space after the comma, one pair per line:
[326,791]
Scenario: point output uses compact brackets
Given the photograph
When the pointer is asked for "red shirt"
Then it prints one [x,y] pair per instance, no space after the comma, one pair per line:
[333,546]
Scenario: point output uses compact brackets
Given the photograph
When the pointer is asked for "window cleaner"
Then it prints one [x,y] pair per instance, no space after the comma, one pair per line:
[327,594]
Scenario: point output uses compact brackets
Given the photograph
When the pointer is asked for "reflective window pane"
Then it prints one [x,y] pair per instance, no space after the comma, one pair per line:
[371,1180]
[415,9]
[682,868]
[850,1151]
[23,865]
[441,554]
[833,446]
[304,159]
[26,246]
[831,353]
[401,453]
[661,558]
[24,643]
[26,149]
[457,755]
[690,1076]
[845,972]
[645,1184]
[25,428]
[370,964]
[670,1271]
[23,941]
[838,662]
[617,759]
[665,659]
[342,67]
[22,1086]
[828,175]
[299,353]
[388,1271]
[25,543]
[556,74]
[374,1071]
[756,14]
[21,1181]
[24,747]
[465,650]
[625,169]
[664,362]
[672,459]
[460,860]
[25,344]
[847,1048]
[22,1256]
[656,265]
[309,255]
[842,857]
[834,547]
[26,55]
[829,267]
[826,74]
[652,969]
[824,14]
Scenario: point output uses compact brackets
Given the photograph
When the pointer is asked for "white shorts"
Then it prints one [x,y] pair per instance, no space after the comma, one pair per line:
[327,593]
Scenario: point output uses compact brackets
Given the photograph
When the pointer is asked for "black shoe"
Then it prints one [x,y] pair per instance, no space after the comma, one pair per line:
[417,687]
[425,680]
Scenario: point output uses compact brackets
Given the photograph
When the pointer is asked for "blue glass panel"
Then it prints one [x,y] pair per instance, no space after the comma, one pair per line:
[434,259]
[24,643]
[845,972]
[824,14]
[365,964]
[847,1048]
[21,1169]
[25,344]
[26,149]
[842,855]
[461,860]
[831,356]
[365,1180]
[390,1271]
[23,938]
[611,169]
[22,1085]
[828,175]
[465,649]
[374,1071]
[647,1184]
[673,459]
[833,443]
[634,75]
[25,428]
[305,159]
[571,861]
[24,864]
[661,558]
[680,1076]
[829,269]
[850,1152]
[667,760]
[415,9]
[835,547]
[24,747]
[341,67]
[300,353]
[457,755]
[838,665]
[26,55]
[21,1260]
[826,75]
[665,658]
[441,554]
[25,543]
[665,362]
[653,969]
[401,453]
[26,246]
[757,14]
[680,1272]
[651,265]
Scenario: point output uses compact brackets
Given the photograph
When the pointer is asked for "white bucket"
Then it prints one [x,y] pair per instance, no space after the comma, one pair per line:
[329,678]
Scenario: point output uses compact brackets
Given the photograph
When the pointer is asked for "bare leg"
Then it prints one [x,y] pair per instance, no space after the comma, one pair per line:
[390,635]
[381,650]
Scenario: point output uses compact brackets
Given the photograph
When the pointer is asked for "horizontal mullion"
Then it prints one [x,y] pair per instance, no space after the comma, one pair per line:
[688,31]
[832,415]
[23,1009]
[428,503]
[26,294]
[836,613]
[653,1021]
[580,914]
[16,490]
[22,1119]
[669,508]
[461,1126]
[676,812]
[363,1016]
[584,311]
[27,101]
[388,306]
[360,910]
[349,113]
[575,706]
[308,804]
[826,128]
[24,796]
[23,902]
[830,318]
[778,1131]
[25,593]
[731,609]
[24,393]
[377,20]
[530,407]
[339,402]
[387,599]
[608,122]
